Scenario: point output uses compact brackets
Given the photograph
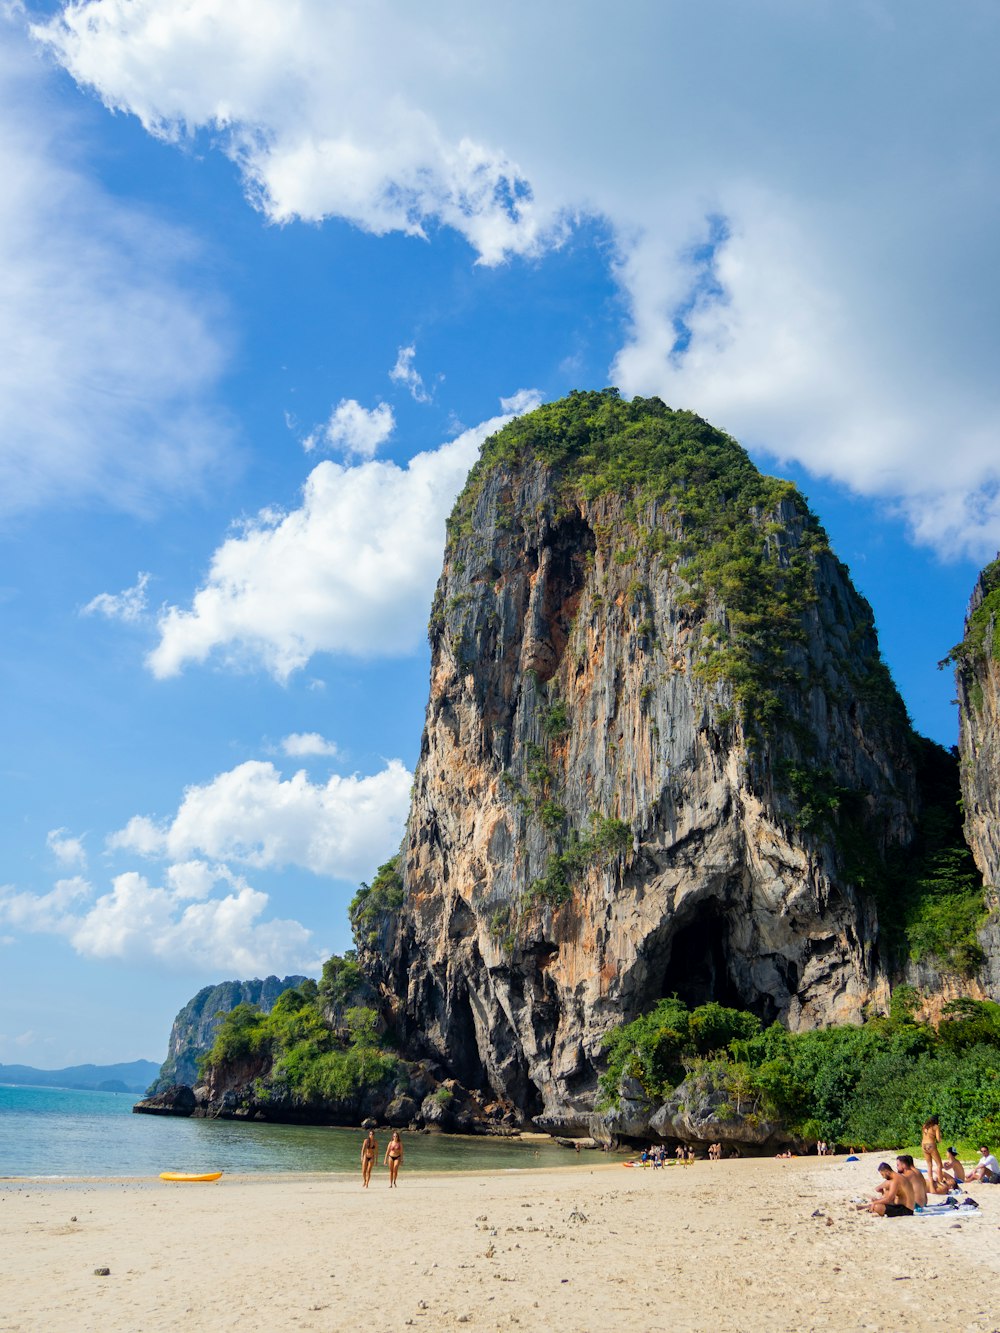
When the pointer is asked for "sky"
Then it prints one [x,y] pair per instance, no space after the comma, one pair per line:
[271,270]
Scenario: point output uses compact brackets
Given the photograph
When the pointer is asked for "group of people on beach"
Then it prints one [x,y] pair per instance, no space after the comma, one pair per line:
[906,1189]
[393,1157]
[656,1155]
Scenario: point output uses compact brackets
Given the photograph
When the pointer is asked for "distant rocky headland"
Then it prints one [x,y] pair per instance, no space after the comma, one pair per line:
[670,818]
[194,1028]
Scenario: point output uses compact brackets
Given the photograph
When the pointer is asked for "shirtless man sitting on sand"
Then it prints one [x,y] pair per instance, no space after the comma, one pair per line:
[893,1198]
[905,1168]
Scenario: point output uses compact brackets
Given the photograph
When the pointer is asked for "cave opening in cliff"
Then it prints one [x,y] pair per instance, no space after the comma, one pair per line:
[698,971]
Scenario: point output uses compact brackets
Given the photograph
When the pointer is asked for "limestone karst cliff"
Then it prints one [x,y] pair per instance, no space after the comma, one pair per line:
[977,675]
[194,1028]
[661,755]
[977,660]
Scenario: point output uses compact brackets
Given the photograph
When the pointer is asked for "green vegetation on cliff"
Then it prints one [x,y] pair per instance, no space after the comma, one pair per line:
[870,1086]
[982,631]
[294,1050]
[744,544]
[374,901]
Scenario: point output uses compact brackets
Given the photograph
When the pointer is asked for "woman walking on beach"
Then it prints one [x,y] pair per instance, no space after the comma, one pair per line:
[393,1157]
[930,1137]
[369,1150]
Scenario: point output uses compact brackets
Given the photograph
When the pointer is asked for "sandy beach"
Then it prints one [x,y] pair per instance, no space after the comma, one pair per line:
[743,1245]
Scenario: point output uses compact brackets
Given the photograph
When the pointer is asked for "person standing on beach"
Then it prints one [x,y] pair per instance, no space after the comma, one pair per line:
[393,1157]
[369,1150]
[930,1137]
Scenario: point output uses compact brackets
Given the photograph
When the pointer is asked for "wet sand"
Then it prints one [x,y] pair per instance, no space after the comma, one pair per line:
[713,1246]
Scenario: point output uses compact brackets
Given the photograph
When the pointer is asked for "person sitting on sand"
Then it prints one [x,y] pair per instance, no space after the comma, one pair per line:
[690,1156]
[987,1169]
[893,1197]
[393,1157]
[930,1138]
[953,1168]
[905,1168]
[369,1149]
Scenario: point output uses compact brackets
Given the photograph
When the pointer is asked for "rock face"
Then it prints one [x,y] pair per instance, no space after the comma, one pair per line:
[978,679]
[194,1028]
[658,725]
[977,675]
[176,1100]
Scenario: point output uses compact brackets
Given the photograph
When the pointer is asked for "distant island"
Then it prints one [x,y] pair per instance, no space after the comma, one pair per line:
[135,1076]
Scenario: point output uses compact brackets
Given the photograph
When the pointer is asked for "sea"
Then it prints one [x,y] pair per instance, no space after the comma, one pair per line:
[54,1132]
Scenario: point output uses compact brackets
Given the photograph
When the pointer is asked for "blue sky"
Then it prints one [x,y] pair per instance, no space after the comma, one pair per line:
[271,271]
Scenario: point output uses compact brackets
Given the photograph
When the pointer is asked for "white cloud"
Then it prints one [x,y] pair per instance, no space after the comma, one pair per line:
[251,815]
[171,926]
[849,148]
[291,95]
[49,912]
[405,372]
[305,744]
[350,571]
[68,850]
[128,606]
[354,429]
[106,361]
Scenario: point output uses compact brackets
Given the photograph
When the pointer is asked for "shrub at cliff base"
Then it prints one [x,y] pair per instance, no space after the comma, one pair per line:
[871,1086]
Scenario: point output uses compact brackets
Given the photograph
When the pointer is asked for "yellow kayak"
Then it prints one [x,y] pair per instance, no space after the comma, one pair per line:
[186,1175]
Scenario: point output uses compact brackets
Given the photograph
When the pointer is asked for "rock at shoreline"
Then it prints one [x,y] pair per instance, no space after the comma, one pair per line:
[176,1100]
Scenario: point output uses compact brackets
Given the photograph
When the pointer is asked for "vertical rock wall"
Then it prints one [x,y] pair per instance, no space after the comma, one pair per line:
[977,661]
[626,789]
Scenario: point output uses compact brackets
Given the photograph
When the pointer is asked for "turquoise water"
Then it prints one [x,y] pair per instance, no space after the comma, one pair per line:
[61,1132]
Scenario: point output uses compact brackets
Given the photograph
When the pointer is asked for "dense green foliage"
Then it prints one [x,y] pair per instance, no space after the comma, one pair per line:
[294,1050]
[982,632]
[870,1086]
[930,897]
[372,901]
[343,985]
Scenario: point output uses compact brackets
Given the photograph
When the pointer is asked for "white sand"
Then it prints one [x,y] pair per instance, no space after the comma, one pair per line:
[714,1246]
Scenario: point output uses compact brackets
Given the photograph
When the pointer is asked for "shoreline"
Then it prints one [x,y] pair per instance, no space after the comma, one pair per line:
[744,1246]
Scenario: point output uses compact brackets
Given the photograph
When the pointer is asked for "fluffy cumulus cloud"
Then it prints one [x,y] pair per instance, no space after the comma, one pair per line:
[203,916]
[67,849]
[100,345]
[254,816]
[308,745]
[354,429]
[325,577]
[845,156]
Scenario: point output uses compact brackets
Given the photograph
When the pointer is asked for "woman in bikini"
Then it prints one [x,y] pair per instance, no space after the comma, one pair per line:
[369,1149]
[930,1137]
[393,1157]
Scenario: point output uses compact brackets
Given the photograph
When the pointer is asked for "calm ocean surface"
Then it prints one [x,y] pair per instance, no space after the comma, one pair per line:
[60,1132]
